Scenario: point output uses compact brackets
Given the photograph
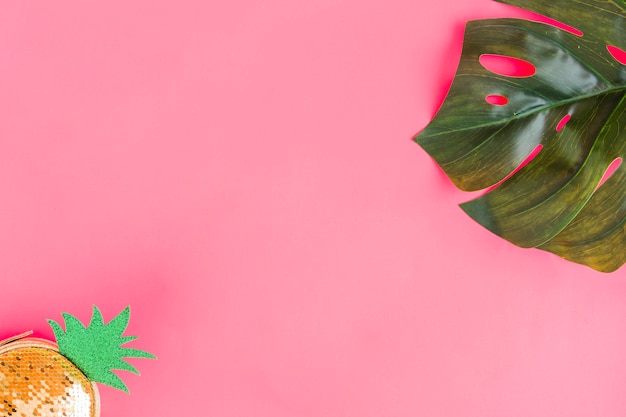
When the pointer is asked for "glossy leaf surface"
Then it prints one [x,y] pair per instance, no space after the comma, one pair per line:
[572,106]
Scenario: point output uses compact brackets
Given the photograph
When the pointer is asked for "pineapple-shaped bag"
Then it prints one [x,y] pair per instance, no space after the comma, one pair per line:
[43,379]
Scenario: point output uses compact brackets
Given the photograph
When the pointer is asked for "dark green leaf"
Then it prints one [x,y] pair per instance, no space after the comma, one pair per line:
[553,202]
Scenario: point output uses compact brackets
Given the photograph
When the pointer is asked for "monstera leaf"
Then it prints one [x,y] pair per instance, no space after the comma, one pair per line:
[563,104]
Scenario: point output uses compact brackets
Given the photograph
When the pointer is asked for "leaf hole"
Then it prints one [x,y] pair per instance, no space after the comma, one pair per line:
[563,122]
[610,171]
[507,66]
[559,25]
[617,53]
[496,100]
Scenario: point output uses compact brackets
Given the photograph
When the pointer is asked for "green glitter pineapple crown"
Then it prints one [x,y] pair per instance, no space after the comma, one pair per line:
[97,349]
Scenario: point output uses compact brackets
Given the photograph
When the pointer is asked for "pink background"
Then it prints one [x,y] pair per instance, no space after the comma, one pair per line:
[242,174]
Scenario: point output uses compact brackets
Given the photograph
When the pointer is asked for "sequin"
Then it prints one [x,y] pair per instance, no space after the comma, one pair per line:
[39,382]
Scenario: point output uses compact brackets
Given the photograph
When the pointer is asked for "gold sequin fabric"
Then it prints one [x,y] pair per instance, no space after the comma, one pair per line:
[39,382]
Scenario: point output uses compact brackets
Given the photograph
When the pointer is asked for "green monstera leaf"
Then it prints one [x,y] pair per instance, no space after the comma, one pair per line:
[565,106]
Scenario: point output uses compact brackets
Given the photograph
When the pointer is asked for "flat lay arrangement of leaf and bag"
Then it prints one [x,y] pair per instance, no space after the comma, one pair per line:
[541,138]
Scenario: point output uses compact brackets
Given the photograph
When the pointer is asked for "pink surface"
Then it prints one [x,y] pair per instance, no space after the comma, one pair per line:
[242,174]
